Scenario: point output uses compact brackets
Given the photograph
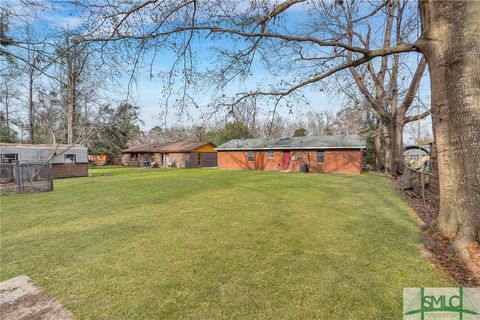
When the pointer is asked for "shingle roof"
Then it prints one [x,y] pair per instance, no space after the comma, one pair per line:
[48,146]
[425,149]
[309,142]
[415,152]
[179,146]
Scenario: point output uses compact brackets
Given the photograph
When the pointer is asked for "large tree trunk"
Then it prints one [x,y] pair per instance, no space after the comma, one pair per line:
[397,148]
[393,136]
[7,109]
[70,114]
[451,44]
[377,144]
[71,98]
[433,184]
[387,140]
[31,122]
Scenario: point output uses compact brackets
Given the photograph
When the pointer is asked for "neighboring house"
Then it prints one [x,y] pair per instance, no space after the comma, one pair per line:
[67,160]
[324,154]
[172,154]
[416,156]
[99,159]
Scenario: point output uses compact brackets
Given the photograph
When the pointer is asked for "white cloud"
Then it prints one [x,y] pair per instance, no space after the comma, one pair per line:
[62,21]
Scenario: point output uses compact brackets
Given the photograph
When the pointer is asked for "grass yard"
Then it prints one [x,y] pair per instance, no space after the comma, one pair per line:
[207,244]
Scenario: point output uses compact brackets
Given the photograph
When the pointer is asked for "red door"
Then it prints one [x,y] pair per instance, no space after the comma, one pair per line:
[286,160]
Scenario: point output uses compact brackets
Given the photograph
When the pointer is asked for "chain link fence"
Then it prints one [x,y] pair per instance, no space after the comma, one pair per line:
[25,176]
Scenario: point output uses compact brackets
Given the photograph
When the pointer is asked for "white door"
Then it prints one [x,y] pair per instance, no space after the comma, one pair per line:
[166,160]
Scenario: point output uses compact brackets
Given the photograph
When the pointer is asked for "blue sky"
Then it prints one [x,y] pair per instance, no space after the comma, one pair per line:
[148,94]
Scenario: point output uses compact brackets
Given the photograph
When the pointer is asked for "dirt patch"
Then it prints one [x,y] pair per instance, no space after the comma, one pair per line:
[21,299]
[438,246]
[30,186]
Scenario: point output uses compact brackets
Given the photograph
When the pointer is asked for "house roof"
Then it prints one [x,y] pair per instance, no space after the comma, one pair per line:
[42,146]
[425,149]
[295,143]
[45,152]
[415,152]
[164,147]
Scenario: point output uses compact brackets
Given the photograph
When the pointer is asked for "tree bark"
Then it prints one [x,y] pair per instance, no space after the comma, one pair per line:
[71,106]
[451,44]
[72,75]
[387,142]
[397,148]
[433,186]
[31,121]
[393,145]
[385,99]
[377,144]
[7,108]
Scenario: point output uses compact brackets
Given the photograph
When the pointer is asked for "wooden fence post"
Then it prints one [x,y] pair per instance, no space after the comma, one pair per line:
[20,177]
[50,176]
[16,175]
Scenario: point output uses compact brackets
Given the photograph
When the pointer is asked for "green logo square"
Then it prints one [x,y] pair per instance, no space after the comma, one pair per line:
[441,303]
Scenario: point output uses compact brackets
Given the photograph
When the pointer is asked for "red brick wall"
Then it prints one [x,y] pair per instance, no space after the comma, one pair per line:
[179,158]
[158,158]
[238,160]
[343,161]
[68,170]
[99,159]
[339,161]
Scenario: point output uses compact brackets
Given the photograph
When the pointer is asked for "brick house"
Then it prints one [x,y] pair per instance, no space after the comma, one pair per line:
[172,154]
[322,154]
[99,159]
[67,160]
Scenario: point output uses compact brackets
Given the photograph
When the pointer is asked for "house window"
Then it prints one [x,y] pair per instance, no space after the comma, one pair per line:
[270,154]
[70,158]
[9,157]
[134,156]
[320,156]
[250,155]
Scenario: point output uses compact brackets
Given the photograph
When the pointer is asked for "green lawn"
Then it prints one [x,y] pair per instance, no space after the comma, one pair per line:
[208,244]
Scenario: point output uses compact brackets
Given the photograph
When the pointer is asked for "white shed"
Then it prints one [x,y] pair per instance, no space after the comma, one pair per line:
[67,160]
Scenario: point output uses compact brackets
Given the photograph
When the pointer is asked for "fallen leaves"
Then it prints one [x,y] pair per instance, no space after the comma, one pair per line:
[438,246]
